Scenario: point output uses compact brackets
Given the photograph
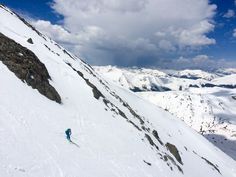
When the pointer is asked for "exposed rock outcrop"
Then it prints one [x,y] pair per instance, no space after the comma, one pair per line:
[27,67]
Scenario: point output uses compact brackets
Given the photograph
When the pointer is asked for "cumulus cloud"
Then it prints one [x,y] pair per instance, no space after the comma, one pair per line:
[61,35]
[129,32]
[201,62]
[55,32]
[229,14]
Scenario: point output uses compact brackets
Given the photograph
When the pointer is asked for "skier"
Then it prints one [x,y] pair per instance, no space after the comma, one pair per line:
[68,134]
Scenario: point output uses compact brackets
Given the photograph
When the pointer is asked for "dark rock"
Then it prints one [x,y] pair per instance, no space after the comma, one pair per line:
[148,163]
[174,151]
[210,163]
[190,77]
[97,94]
[155,134]
[208,85]
[154,88]
[30,41]
[136,89]
[151,141]
[157,88]
[194,86]
[27,67]
[167,157]
[233,86]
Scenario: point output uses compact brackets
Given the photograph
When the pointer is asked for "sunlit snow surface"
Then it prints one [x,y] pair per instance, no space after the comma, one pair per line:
[209,110]
[32,139]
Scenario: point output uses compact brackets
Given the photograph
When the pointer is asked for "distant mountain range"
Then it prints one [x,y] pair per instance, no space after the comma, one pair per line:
[204,101]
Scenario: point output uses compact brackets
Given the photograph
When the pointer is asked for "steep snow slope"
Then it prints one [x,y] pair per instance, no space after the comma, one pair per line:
[116,133]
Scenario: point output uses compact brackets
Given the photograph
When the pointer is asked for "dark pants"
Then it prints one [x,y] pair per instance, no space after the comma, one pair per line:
[68,137]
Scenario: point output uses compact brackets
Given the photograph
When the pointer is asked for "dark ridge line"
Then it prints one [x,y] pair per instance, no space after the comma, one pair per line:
[233,86]
[91,71]
[215,167]
[210,163]
[97,94]
[51,50]
[117,111]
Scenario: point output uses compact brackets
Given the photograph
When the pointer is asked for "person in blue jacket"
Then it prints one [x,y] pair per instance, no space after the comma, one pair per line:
[68,134]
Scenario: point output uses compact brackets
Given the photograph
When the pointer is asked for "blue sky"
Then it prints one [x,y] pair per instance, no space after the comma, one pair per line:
[39,9]
[226,43]
[89,33]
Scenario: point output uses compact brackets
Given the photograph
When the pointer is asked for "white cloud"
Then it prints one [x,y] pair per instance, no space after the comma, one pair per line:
[131,29]
[199,61]
[166,45]
[194,36]
[229,14]
[56,32]
[234,33]
[202,62]
[62,35]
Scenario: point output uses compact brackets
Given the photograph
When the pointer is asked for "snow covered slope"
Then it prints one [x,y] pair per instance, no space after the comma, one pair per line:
[226,80]
[206,106]
[45,90]
[211,112]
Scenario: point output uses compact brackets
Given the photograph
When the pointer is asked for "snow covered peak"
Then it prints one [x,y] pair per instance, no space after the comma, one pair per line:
[226,71]
[195,74]
[114,132]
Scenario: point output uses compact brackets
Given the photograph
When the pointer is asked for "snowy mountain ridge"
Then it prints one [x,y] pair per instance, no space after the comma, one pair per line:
[155,80]
[45,90]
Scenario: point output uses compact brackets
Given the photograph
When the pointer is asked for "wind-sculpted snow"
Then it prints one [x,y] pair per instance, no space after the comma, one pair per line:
[114,132]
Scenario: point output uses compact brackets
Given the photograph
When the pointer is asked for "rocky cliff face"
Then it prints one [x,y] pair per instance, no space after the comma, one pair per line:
[27,67]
